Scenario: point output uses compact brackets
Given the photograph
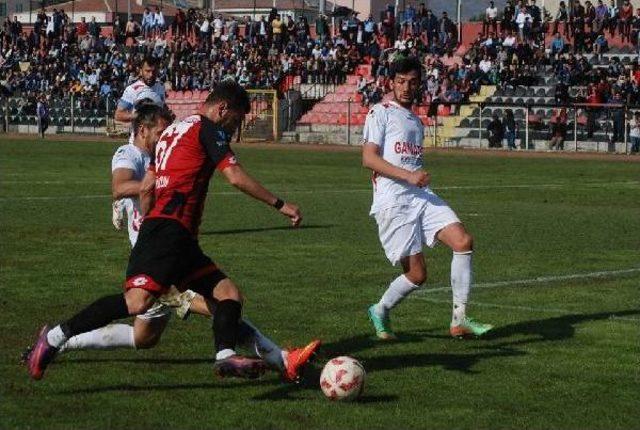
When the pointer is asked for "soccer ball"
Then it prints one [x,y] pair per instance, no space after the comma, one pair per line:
[342,379]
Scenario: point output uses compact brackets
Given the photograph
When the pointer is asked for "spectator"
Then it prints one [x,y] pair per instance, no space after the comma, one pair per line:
[158,22]
[510,129]
[94,28]
[562,16]
[557,45]
[508,17]
[42,112]
[634,133]
[496,132]
[490,19]
[558,129]
[617,115]
[132,30]
[147,23]
[624,20]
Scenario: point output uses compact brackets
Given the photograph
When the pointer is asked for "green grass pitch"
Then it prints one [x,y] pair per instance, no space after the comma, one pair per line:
[557,267]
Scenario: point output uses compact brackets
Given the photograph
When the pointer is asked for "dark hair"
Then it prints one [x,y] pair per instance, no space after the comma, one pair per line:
[233,94]
[405,65]
[148,114]
[150,61]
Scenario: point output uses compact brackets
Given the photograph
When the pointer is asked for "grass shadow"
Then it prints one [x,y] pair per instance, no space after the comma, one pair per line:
[549,329]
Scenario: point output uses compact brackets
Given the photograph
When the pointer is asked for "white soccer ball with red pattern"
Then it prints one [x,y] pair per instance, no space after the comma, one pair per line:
[342,379]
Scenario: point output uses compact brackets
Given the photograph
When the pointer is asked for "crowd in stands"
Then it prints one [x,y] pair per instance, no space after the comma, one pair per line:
[59,57]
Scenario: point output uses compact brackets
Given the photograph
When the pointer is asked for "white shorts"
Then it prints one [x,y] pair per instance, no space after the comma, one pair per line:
[405,230]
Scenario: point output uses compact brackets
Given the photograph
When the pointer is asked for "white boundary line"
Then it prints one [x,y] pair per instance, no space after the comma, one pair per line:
[345,191]
[538,280]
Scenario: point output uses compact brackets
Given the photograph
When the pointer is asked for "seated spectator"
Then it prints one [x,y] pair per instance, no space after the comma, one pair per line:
[557,45]
[600,45]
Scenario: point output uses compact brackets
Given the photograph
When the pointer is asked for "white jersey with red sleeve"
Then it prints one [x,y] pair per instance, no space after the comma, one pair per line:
[132,158]
[398,133]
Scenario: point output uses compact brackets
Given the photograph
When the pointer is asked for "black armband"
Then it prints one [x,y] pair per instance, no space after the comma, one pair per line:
[278,204]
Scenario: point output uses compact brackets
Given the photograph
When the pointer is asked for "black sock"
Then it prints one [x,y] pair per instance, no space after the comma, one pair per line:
[226,321]
[97,314]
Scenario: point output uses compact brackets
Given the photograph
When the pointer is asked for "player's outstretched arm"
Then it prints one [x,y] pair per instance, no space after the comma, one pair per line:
[371,159]
[245,183]
[123,184]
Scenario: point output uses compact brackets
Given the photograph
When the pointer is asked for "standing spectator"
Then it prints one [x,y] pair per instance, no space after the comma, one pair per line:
[147,23]
[16,29]
[558,129]
[496,132]
[132,30]
[508,16]
[601,17]
[612,18]
[593,98]
[158,22]
[562,16]
[521,19]
[617,114]
[510,129]
[624,20]
[322,28]
[634,133]
[82,28]
[276,30]
[589,15]
[179,26]
[94,28]
[490,19]
[369,29]
[445,27]
[42,112]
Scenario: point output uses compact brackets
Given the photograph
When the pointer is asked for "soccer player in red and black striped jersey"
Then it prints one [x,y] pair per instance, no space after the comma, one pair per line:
[167,251]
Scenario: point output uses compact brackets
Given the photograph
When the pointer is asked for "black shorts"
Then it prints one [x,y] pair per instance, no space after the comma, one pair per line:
[166,254]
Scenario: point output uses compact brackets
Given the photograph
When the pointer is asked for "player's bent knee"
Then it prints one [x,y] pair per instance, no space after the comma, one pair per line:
[138,301]
[417,277]
[465,243]
[227,290]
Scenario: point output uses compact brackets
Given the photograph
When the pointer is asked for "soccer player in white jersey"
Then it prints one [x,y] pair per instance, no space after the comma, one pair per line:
[408,213]
[146,88]
[129,165]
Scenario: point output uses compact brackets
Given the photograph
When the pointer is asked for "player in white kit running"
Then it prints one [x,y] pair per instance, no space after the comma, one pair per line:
[408,213]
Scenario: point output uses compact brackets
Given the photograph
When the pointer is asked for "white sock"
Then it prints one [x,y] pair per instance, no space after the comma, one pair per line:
[461,278]
[56,337]
[225,353]
[398,289]
[108,337]
[263,346]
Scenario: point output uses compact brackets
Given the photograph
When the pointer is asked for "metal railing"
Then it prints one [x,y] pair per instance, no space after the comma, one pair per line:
[538,126]
[66,115]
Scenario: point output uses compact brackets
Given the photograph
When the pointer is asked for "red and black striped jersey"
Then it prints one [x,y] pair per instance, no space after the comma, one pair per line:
[187,154]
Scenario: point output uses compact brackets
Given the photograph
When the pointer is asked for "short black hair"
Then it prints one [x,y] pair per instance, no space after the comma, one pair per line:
[232,93]
[406,65]
[150,61]
[148,114]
